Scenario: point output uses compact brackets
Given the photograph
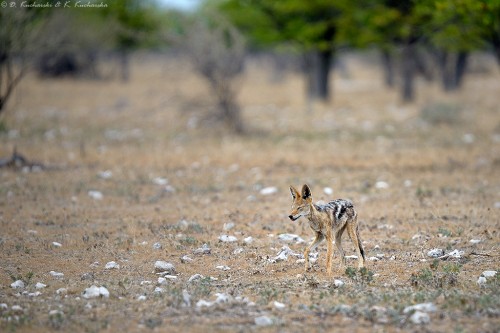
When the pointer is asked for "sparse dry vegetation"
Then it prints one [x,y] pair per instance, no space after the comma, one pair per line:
[175,178]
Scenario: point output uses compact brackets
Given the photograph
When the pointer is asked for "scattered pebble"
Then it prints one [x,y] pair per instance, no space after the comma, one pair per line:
[238,250]
[205,249]
[328,190]
[454,254]
[163,266]
[223,268]
[228,226]
[160,181]
[269,190]
[279,305]
[141,298]
[481,280]
[338,283]
[475,241]
[248,240]
[351,257]
[3,306]
[435,253]
[373,258]
[19,284]
[96,195]
[289,238]
[263,321]
[40,285]
[61,291]
[95,291]
[381,185]
[425,307]
[56,244]
[158,290]
[227,239]
[186,297]
[468,138]
[186,259]
[56,274]
[488,274]
[56,313]
[420,318]
[16,308]
[105,174]
[112,265]
[157,246]
[407,183]
[162,280]
[145,282]
[222,298]
[195,277]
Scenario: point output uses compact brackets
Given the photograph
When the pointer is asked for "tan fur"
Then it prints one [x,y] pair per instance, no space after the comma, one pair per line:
[326,225]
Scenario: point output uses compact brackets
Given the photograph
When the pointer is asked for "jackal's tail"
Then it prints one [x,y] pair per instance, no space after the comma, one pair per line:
[360,244]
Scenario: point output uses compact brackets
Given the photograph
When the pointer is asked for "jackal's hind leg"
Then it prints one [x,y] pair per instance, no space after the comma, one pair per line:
[353,233]
[338,243]
[319,238]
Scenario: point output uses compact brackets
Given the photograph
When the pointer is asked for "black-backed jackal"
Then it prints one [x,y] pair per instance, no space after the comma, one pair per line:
[327,221]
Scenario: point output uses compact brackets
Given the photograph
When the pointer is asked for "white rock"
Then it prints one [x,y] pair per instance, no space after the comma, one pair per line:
[16,308]
[435,253]
[420,318]
[269,190]
[338,283]
[407,183]
[381,185]
[170,277]
[238,250]
[279,305]
[475,241]
[19,284]
[56,275]
[141,298]
[227,239]
[205,249]
[373,258]
[223,268]
[3,306]
[351,257]
[163,266]
[169,189]
[94,264]
[56,313]
[195,277]
[162,280]
[248,240]
[488,274]
[202,303]
[61,291]
[289,238]
[186,259]
[35,294]
[263,321]
[328,190]
[425,307]
[40,285]
[112,265]
[481,280]
[222,298]
[157,246]
[160,181]
[455,254]
[105,174]
[95,291]
[186,297]
[468,138]
[145,282]
[96,195]
[158,290]
[228,226]
[56,244]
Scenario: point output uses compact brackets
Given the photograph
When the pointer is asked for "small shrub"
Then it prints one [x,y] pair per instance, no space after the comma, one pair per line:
[362,276]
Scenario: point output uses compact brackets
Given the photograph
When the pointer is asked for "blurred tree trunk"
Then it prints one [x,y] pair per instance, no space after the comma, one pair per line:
[452,68]
[317,66]
[388,64]
[408,72]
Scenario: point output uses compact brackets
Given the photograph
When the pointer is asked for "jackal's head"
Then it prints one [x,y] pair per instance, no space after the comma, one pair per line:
[301,205]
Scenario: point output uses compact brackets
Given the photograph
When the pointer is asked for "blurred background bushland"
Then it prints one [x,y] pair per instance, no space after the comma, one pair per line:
[433,39]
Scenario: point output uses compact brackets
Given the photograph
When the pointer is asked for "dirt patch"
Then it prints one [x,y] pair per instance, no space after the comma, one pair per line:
[170,182]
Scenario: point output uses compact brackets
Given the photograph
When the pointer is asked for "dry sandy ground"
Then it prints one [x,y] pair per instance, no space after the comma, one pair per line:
[179,179]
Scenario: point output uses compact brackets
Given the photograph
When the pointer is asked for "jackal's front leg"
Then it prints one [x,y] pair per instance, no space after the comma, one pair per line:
[314,244]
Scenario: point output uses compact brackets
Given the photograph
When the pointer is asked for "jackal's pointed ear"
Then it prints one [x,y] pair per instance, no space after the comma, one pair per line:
[306,192]
[295,193]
